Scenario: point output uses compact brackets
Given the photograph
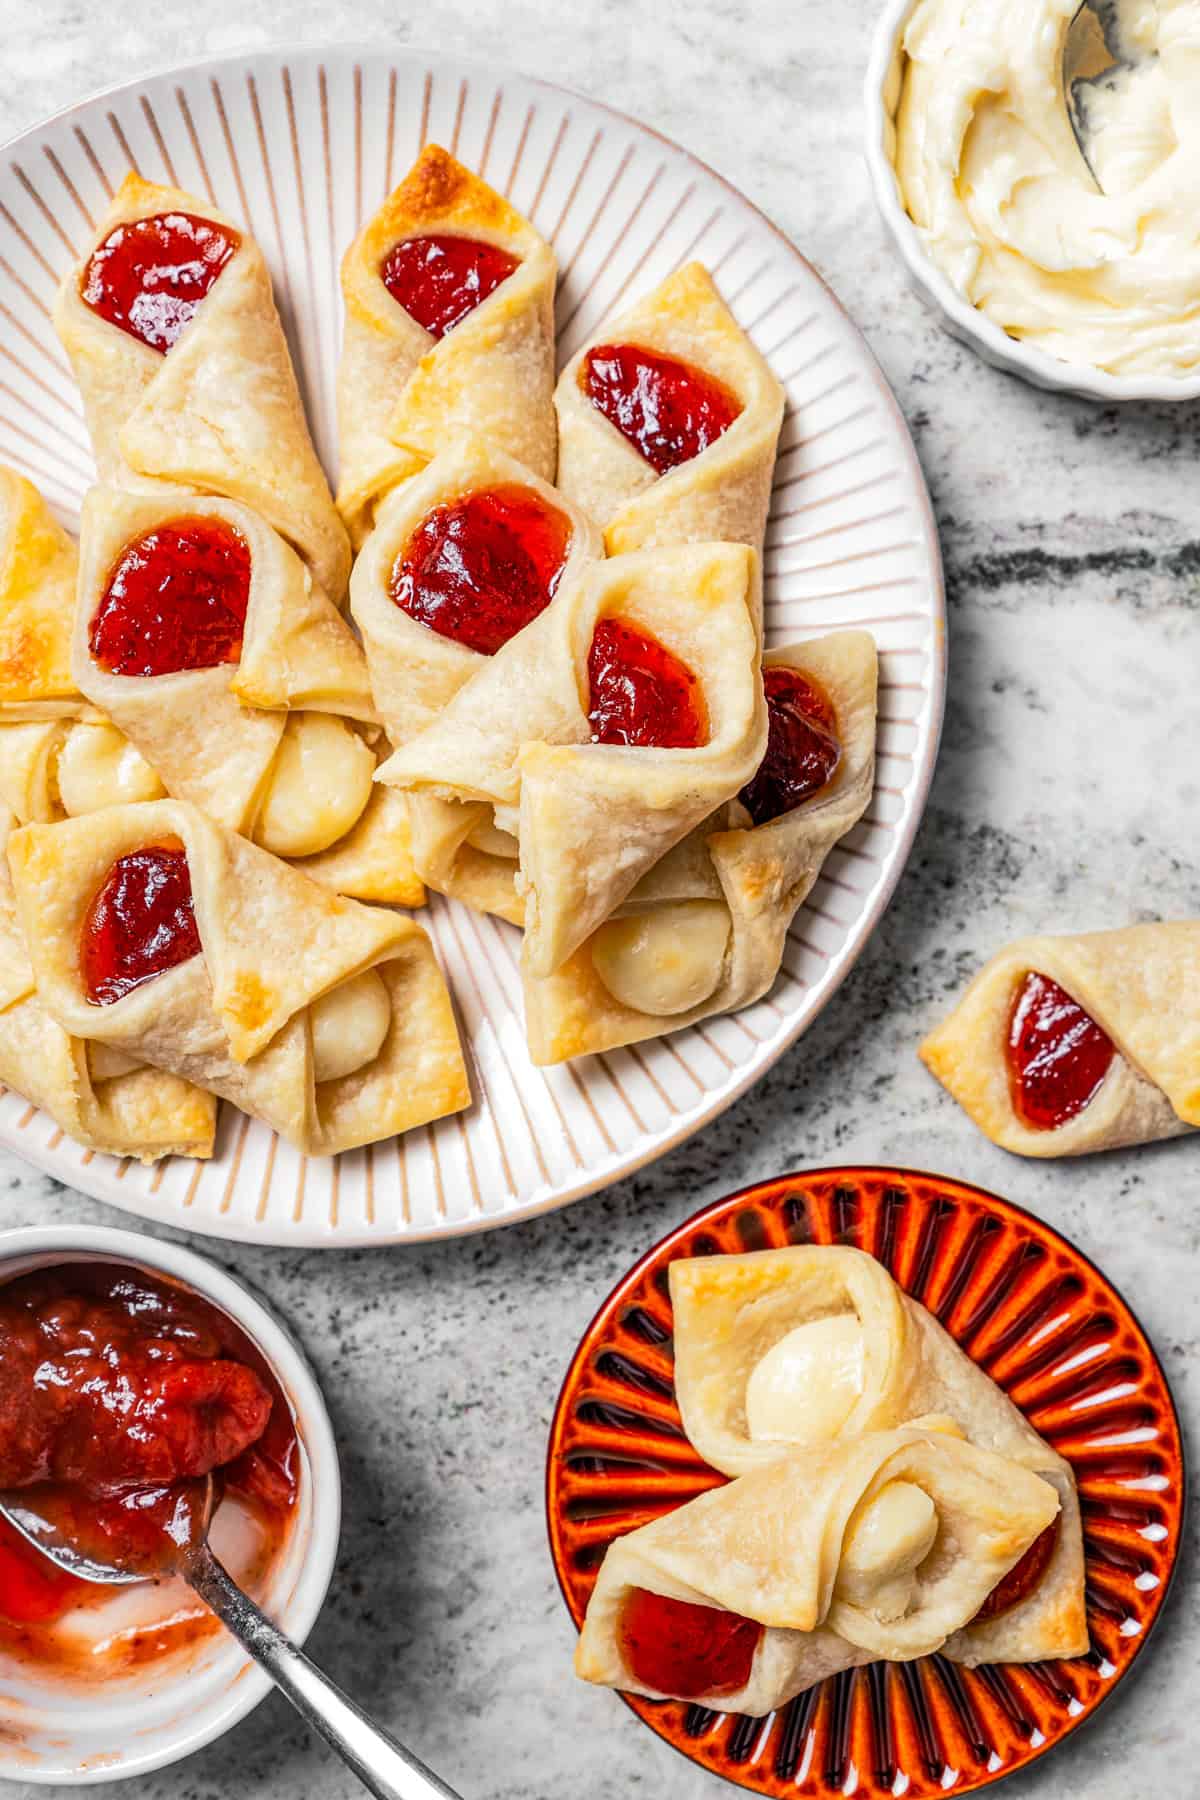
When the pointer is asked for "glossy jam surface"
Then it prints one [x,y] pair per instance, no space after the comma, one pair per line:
[1023,1577]
[667,409]
[175,599]
[802,745]
[480,568]
[685,1650]
[141,922]
[1057,1054]
[150,276]
[438,280]
[119,1393]
[639,693]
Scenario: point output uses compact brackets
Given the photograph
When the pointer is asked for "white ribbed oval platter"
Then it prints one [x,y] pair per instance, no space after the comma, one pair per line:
[302,146]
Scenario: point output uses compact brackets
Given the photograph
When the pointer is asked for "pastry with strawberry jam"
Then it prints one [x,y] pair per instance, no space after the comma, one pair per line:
[170,324]
[603,733]
[668,422]
[1065,1045]
[704,931]
[157,936]
[449,297]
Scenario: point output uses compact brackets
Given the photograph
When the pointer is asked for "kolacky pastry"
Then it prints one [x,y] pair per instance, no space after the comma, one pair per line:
[158,935]
[1063,1045]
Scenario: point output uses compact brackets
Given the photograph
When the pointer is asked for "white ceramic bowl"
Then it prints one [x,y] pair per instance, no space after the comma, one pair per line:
[961,319]
[55,1733]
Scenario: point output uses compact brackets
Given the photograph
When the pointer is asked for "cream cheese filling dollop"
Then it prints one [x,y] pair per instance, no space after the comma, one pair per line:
[991,175]
[808,1383]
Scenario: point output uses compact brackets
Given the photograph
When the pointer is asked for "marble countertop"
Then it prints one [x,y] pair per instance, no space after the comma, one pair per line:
[1065,798]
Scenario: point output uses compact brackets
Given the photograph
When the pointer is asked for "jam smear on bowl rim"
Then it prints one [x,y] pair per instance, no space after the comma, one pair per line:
[140,922]
[1057,1054]
[479,568]
[150,276]
[175,600]
[683,1648]
[440,278]
[803,749]
[640,693]
[119,1392]
[668,410]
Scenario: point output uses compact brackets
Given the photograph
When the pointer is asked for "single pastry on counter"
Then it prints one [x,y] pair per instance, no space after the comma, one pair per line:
[881,1547]
[1063,1045]
[603,733]
[158,935]
[779,1350]
[203,634]
[463,557]
[704,931]
[668,422]
[449,297]
[171,328]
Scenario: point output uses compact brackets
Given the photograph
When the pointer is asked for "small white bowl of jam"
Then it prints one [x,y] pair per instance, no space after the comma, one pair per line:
[154,1368]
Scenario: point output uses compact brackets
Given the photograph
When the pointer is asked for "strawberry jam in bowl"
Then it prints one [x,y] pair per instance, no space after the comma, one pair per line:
[137,1384]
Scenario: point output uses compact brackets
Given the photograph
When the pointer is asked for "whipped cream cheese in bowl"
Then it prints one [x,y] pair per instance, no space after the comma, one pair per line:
[1082,281]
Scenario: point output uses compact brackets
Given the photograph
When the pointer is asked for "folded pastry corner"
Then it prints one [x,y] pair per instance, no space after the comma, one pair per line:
[779,1349]
[203,634]
[1065,1045]
[37,603]
[170,324]
[668,422]
[162,936]
[449,297]
[881,1546]
[704,931]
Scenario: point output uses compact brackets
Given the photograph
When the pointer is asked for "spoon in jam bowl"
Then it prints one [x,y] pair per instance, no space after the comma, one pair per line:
[47,1516]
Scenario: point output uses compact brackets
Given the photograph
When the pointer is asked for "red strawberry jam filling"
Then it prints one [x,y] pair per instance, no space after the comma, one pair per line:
[119,1393]
[176,599]
[685,1650]
[802,745]
[439,279]
[667,409]
[149,276]
[1057,1054]
[480,568]
[141,922]
[1023,1577]
[639,693]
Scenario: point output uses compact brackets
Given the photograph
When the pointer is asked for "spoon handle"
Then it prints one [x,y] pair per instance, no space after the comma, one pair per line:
[384,1767]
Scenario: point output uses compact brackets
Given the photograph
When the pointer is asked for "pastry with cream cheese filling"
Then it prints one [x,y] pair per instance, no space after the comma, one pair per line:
[1064,1045]
[786,1349]
[449,297]
[704,931]
[883,1546]
[156,934]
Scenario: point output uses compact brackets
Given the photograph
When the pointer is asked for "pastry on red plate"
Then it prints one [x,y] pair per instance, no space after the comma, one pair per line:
[1063,1045]
[201,632]
[160,936]
[603,733]
[462,558]
[668,421]
[704,931]
[449,297]
[171,327]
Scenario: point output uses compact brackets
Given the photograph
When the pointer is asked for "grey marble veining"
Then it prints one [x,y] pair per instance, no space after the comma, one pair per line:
[1066,796]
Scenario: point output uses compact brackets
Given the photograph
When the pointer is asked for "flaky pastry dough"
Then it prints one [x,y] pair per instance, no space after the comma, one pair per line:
[220,412]
[403,394]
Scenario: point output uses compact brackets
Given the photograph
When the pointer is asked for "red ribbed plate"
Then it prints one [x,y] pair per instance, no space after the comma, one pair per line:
[1060,1341]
